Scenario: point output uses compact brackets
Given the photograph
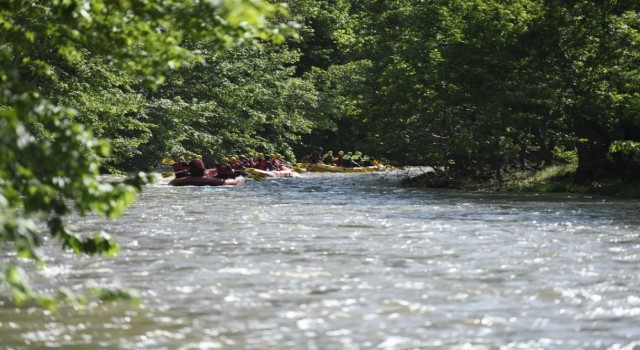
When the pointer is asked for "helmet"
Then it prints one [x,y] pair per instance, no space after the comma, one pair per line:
[349,153]
[225,160]
[341,152]
[181,159]
[260,155]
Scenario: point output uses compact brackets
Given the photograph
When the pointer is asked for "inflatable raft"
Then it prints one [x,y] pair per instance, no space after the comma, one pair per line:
[207,181]
[283,172]
[324,168]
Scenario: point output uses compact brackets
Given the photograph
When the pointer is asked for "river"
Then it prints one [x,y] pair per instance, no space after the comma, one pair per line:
[351,261]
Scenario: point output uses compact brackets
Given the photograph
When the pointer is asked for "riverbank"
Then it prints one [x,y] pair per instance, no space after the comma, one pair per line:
[556,179]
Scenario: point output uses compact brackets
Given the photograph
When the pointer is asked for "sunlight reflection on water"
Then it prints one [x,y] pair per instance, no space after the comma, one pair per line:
[330,261]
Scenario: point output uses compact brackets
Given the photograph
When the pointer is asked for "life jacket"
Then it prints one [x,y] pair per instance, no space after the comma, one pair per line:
[346,161]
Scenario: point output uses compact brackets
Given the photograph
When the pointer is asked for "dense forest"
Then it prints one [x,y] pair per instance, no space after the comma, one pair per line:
[476,87]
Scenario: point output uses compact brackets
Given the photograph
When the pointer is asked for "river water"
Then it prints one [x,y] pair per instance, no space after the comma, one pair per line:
[339,261]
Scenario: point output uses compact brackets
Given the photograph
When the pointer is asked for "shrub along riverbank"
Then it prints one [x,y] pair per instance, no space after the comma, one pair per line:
[562,178]
[553,179]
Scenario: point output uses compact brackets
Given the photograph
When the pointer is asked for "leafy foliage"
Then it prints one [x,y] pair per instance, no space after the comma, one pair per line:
[257,103]
[65,64]
[483,86]
[475,87]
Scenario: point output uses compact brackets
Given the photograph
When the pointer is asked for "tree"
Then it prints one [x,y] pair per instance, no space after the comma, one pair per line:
[50,162]
[595,55]
[257,104]
[481,85]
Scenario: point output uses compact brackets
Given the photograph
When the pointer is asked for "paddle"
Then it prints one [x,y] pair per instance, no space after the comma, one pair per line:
[313,166]
[301,166]
[294,167]
[258,176]
[255,175]
[167,161]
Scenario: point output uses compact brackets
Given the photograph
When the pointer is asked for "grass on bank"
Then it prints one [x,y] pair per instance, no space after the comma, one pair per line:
[556,179]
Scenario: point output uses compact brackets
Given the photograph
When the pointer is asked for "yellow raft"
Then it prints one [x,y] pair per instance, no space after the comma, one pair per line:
[324,168]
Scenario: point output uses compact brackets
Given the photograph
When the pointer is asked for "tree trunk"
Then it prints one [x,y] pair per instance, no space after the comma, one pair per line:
[593,163]
[545,149]
[523,155]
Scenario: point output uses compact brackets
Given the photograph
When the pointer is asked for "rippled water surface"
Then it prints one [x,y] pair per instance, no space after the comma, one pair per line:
[337,261]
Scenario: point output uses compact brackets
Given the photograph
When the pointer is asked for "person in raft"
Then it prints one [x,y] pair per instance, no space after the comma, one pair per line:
[224,169]
[329,159]
[346,160]
[235,163]
[316,156]
[281,161]
[356,159]
[238,167]
[338,159]
[367,161]
[196,167]
[262,163]
[180,168]
[277,163]
[249,161]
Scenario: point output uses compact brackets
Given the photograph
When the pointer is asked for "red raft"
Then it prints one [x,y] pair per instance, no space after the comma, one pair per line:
[207,181]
